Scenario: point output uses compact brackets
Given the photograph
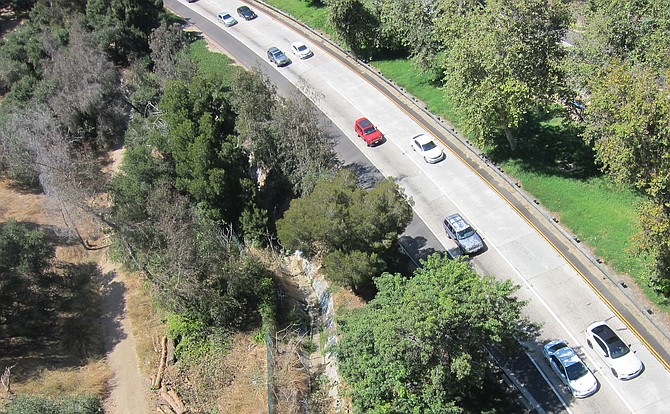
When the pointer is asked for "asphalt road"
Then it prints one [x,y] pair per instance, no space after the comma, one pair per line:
[566,291]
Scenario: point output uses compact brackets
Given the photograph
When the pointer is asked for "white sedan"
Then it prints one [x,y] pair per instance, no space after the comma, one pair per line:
[570,369]
[226,19]
[623,363]
[301,50]
[427,148]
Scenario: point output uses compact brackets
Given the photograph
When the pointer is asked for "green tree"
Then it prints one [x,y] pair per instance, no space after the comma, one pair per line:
[417,346]
[25,277]
[33,404]
[504,64]
[167,43]
[354,229]
[208,162]
[356,24]
[628,123]
[121,27]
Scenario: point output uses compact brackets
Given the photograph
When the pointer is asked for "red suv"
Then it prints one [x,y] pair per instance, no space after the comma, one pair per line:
[368,132]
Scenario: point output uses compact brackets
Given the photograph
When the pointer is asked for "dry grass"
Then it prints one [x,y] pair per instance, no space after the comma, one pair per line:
[91,378]
[146,320]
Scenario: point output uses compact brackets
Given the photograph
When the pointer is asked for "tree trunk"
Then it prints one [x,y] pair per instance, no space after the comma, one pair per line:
[510,138]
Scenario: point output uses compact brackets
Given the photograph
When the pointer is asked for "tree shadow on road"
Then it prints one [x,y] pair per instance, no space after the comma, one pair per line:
[113,310]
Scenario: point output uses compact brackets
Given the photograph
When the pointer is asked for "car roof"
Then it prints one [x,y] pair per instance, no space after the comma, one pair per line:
[421,139]
[297,44]
[606,333]
[274,49]
[224,14]
[243,8]
[565,354]
[457,222]
[364,122]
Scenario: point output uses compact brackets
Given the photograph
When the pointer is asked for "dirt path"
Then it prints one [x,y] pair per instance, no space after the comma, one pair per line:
[128,388]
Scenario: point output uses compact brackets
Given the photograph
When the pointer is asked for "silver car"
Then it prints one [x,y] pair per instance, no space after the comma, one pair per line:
[570,369]
[226,19]
[463,234]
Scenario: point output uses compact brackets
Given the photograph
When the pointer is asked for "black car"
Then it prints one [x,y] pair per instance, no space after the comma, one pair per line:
[246,13]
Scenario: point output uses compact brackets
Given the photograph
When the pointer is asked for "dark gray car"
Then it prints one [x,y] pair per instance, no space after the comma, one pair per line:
[246,13]
[278,57]
[465,236]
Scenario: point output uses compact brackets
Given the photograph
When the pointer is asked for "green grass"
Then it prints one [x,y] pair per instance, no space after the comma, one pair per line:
[315,16]
[213,63]
[420,85]
[599,214]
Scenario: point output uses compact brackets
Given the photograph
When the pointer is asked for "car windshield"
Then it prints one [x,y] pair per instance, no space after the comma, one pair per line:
[576,371]
[369,130]
[428,146]
[465,233]
[617,348]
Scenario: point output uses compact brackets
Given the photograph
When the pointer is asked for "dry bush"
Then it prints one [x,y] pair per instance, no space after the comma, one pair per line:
[291,378]
[234,382]
[91,378]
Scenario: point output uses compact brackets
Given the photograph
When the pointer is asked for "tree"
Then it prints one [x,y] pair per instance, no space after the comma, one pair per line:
[34,404]
[628,123]
[417,346]
[504,64]
[305,152]
[25,279]
[83,89]
[209,163]
[121,27]
[355,230]
[356,25]
[167,44]
[285,138]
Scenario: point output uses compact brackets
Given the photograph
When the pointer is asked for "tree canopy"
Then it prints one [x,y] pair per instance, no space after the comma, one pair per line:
[504,63]
[417,347]
[354,229]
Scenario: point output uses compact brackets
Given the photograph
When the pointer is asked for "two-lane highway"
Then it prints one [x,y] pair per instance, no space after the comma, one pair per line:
[561,296]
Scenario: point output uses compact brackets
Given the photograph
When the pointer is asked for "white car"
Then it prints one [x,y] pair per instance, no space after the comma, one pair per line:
[301,50]
[623,363]
[570,369]
[425,146]
[226,19]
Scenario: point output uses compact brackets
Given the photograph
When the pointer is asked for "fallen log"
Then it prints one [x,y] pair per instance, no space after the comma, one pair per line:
[161,365]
